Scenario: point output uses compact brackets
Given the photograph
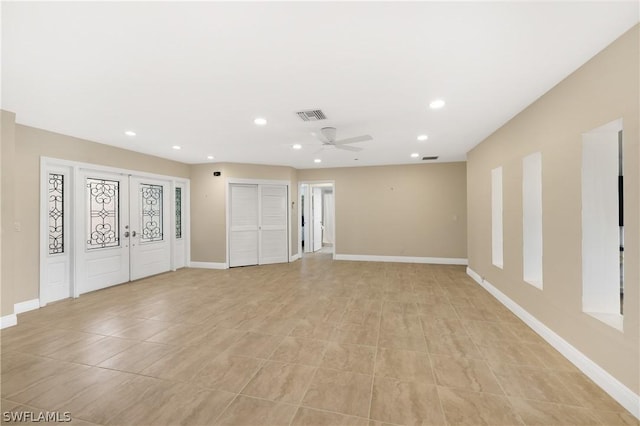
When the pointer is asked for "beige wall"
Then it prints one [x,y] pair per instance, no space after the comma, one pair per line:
[30,145]
[208,210]
[7,189]
[408,210]
[603,90]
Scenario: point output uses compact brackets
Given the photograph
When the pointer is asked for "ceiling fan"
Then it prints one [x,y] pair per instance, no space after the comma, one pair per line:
[328,138]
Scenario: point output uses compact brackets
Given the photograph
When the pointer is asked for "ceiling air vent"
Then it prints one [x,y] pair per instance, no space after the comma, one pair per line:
[434,157]
[311,115]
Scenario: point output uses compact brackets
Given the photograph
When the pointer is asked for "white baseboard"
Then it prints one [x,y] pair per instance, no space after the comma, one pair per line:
[402,259]
[294,257]
[26,306]
[8,321]
[208,265]
[616,389]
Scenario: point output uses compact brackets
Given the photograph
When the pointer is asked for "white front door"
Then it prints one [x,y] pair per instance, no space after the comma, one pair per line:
[149,224]
[243,225]
[103,243]
[125,230]
[317,219]
[273,224]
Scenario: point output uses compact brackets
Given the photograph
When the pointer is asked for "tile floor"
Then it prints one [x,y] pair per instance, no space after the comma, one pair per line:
[315,342]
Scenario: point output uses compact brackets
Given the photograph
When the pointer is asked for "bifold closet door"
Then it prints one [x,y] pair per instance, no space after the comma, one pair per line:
[243,225]
[258,225]
[273,224]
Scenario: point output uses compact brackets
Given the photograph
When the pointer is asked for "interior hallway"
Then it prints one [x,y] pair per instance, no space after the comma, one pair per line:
[312,342]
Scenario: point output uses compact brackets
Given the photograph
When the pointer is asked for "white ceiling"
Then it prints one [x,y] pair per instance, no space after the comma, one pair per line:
[197,74]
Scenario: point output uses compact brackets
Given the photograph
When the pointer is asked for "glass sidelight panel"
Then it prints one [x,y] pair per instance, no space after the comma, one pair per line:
[56,213]
[103,228]
[151,210]
[178,212]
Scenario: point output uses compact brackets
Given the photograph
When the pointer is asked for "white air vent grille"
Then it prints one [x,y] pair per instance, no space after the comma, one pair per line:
[311,115]
[434,157]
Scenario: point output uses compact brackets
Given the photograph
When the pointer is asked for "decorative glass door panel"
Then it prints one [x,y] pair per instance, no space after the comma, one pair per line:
[103,224]
[152,212]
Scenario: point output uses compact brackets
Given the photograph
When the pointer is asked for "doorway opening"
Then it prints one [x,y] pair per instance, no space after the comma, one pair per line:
[317,218]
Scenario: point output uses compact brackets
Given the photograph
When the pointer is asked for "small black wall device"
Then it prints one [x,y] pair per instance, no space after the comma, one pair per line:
[217,173]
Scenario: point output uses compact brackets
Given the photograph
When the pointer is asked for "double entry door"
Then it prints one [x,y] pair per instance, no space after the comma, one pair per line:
[258,225]
[126,229]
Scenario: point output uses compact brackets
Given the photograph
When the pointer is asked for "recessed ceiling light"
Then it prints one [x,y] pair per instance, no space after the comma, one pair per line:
[130,133]
[317,160]
[176,147]
[210,157]
[437,104]
[297,146]
[415,155]
[423,137]
[260,121]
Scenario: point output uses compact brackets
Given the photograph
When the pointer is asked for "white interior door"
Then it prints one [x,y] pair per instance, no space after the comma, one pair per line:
[150,239]
[243,225]
[308,219]
[103,244]
[273,233]
[317,219]
[327,205]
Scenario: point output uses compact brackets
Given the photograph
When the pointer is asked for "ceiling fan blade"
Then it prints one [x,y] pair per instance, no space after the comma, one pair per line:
[353,140]
[348,148]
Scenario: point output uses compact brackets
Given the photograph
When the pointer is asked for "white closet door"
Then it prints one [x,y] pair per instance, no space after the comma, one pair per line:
[273,224]
[243,232]
[150,239]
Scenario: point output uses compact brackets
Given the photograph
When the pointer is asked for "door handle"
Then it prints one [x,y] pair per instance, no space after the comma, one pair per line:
[126,234]
[133,233]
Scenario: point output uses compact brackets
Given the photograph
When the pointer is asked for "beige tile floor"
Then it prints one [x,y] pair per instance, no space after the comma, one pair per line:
[315,342]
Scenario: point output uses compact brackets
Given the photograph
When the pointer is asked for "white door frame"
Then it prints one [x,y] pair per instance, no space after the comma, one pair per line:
[48,164]
[311,183]
[231,181]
